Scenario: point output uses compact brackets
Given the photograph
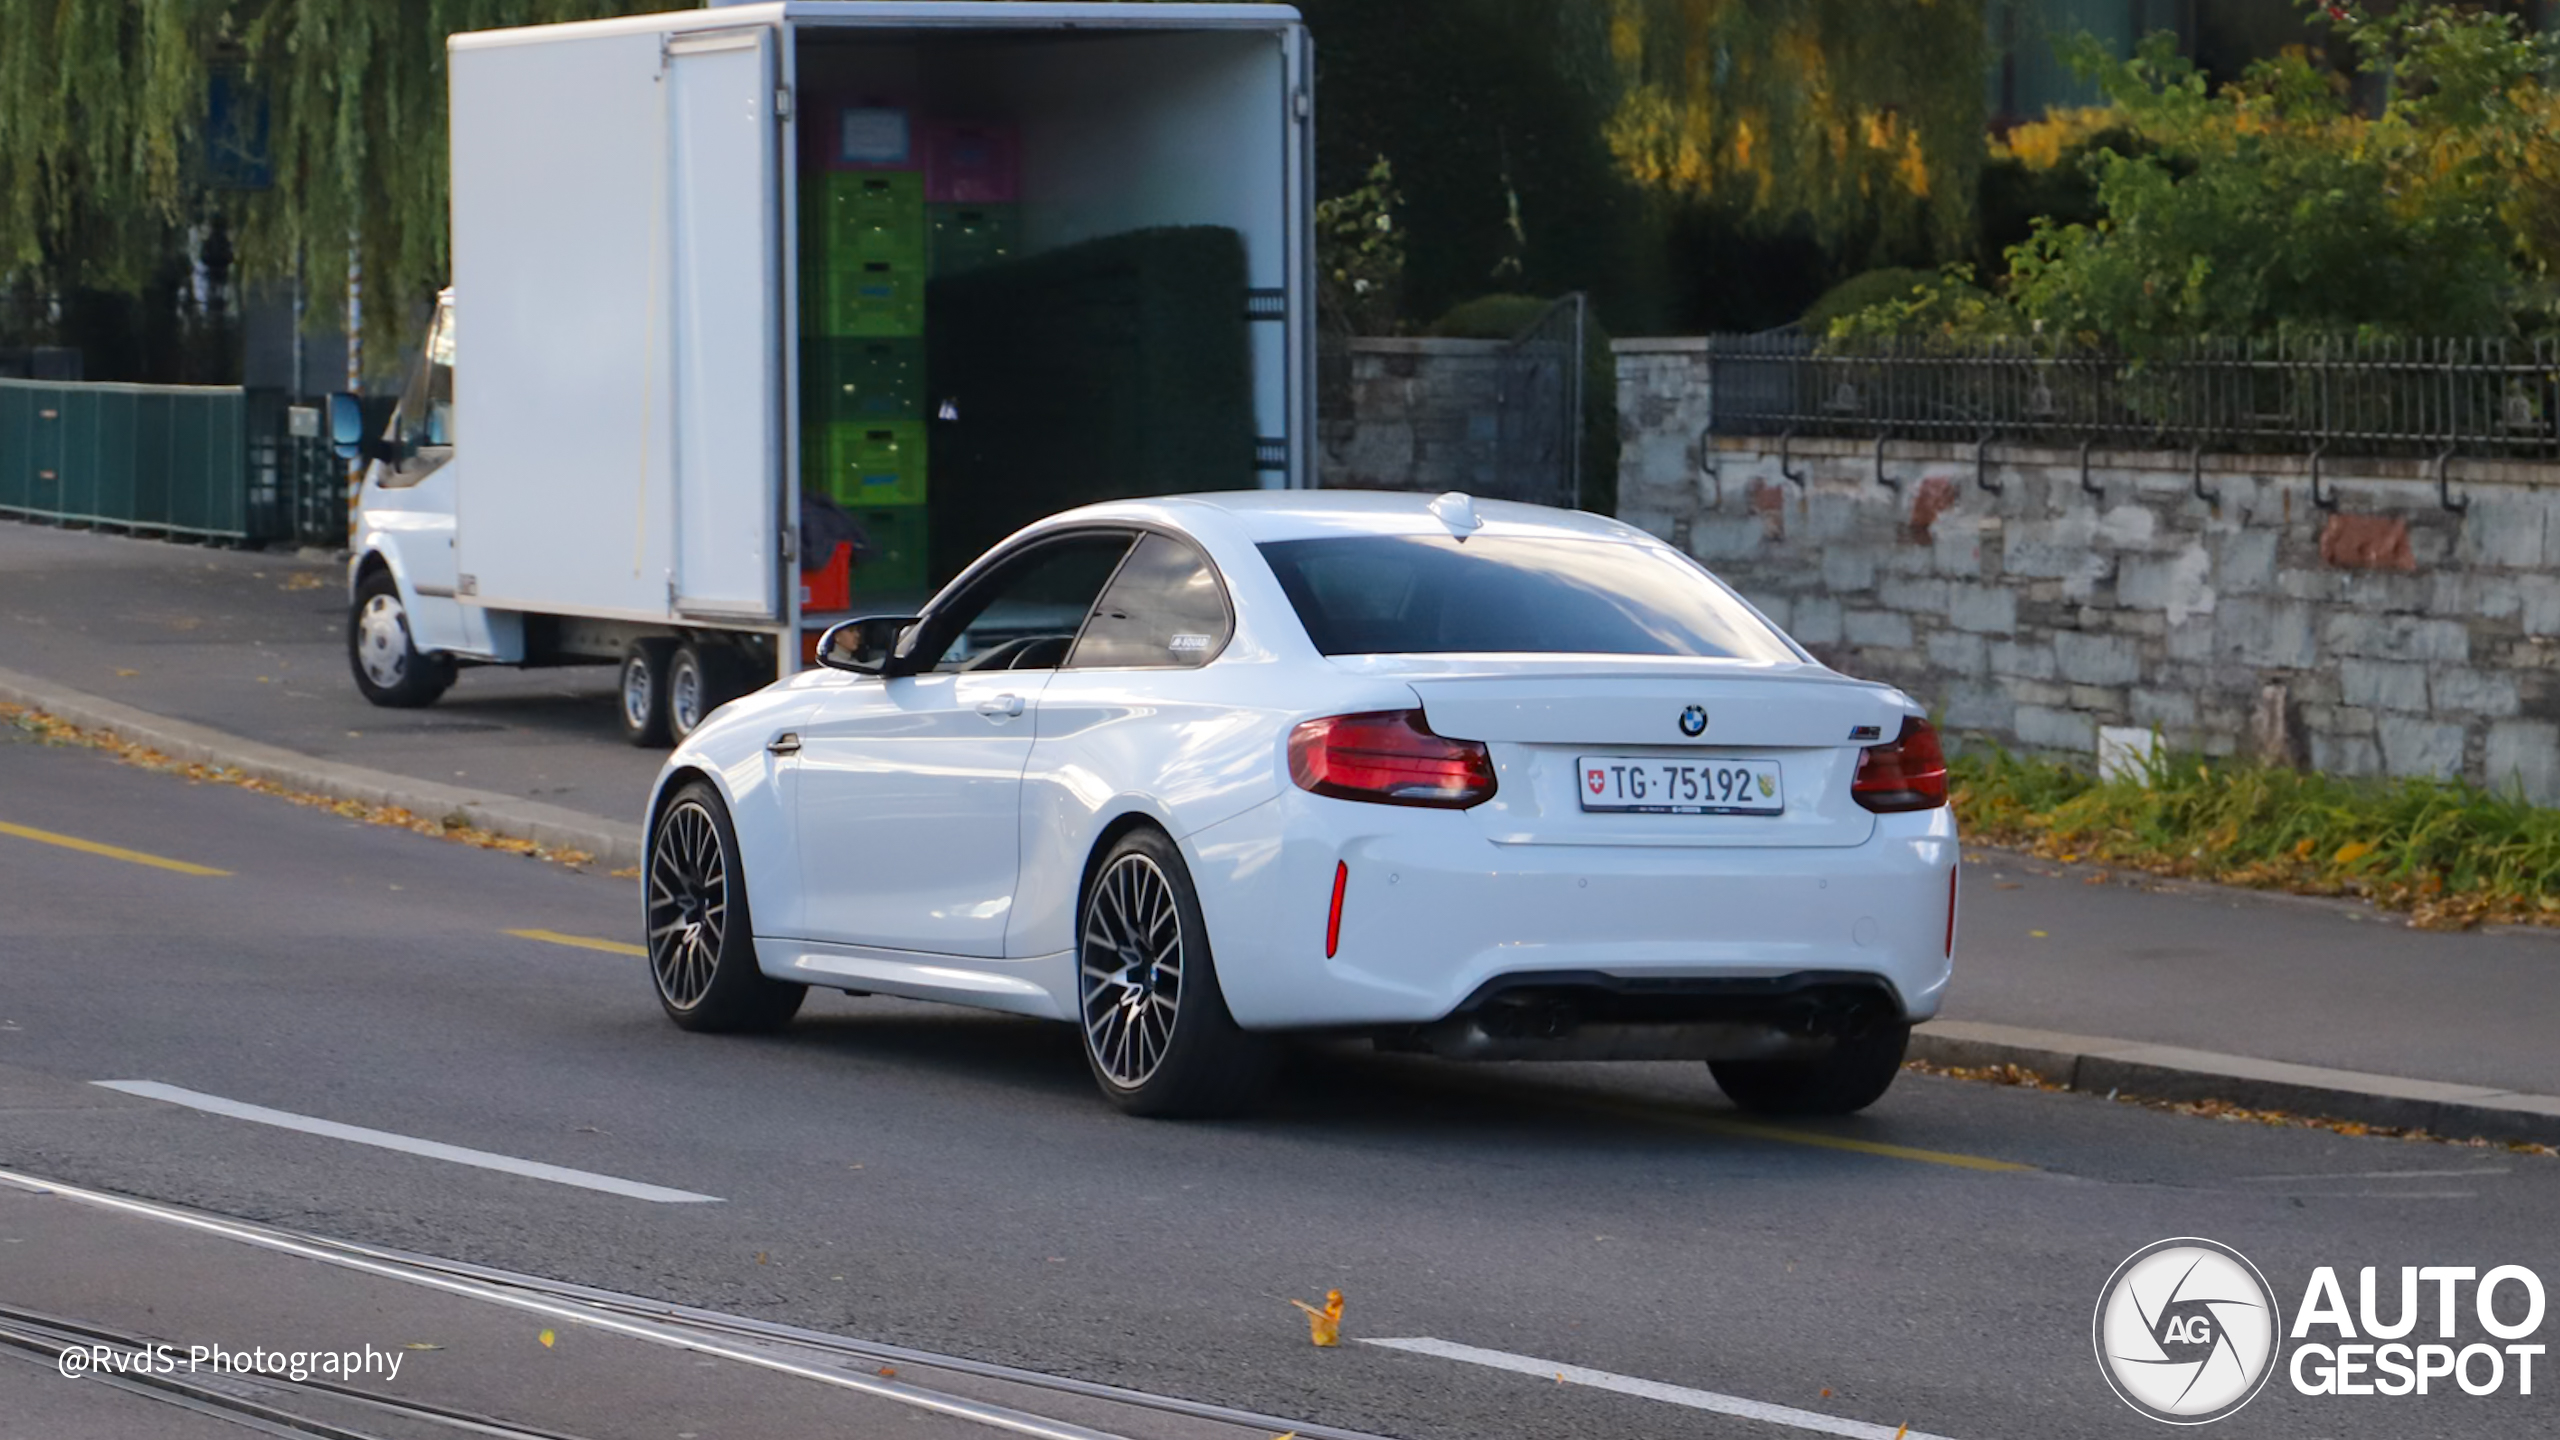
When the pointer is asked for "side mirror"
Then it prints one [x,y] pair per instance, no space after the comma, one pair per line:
[346,426]
[867,645]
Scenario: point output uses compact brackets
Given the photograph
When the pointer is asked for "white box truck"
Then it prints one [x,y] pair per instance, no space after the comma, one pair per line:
[617,448]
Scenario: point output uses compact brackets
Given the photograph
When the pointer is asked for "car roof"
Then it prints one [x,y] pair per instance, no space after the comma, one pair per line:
[1266,515]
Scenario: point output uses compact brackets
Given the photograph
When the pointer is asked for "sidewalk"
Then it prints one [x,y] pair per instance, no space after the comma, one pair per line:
[254,644]
[2169,989]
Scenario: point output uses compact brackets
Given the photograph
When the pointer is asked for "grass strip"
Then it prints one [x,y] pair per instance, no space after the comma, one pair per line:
[2449,854]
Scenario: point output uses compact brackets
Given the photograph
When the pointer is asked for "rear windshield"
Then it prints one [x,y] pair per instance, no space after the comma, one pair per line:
[1429,594]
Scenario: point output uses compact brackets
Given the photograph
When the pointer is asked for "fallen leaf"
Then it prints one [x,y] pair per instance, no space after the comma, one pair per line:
[2008,885]
[305,580]
[124,674]
[1826,1394]
[1324,1327]
[888,1371]
[760,1258]
[546,1337]
[2351,852]
[2039,934]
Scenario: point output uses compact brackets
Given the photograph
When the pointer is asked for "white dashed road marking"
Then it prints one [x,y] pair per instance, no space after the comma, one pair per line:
[384,1139]
[1709,1400]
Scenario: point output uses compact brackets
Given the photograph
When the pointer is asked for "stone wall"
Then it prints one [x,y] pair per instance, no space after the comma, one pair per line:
[1418,414]
[2386,636]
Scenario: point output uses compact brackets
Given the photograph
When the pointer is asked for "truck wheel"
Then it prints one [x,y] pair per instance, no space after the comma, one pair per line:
[388,668]
[643,692]
[1852,1077]
[694,689]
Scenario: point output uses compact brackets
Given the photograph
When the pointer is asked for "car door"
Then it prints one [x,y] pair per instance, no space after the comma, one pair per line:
[1133,711]
[911,788]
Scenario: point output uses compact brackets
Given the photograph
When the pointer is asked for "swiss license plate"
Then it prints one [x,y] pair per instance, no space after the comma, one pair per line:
[1652,786]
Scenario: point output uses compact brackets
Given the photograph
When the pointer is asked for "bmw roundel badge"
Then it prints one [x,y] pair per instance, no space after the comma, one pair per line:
[1693,721]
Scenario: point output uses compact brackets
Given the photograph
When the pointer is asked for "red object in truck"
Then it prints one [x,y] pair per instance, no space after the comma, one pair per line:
[829,587]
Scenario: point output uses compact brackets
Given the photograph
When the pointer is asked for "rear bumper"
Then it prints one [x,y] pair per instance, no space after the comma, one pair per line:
[1433,913]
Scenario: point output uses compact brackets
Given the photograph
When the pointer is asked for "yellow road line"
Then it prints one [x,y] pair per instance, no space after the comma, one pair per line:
[112,852]
[579,942]
[1749,1130]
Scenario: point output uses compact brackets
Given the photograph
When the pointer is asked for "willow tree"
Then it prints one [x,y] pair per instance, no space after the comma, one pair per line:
[103,118]
[1861,119]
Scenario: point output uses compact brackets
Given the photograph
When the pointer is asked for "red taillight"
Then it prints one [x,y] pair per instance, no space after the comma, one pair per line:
[1333,918]
[1909,774]
[1390,757]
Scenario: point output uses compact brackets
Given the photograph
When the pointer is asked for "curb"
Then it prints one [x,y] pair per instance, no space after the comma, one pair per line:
[615,845]
[2168,1072]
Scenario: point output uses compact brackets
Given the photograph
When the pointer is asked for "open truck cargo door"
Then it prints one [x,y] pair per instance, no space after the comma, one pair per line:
[624,401]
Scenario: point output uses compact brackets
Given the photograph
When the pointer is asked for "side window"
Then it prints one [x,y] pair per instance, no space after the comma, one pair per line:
[423,424]
[1164,610]
[1024,614]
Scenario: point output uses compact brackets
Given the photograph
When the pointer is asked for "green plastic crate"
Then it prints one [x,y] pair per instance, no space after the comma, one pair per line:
[971,237]
[899,553]
[867,215]
[868,464]
[875,298]
[862,378]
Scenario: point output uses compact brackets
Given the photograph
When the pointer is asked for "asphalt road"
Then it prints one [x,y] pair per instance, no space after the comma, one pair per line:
[947,1180]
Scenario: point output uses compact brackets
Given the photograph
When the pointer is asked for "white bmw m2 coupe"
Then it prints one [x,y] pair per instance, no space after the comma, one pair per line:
[1481,780]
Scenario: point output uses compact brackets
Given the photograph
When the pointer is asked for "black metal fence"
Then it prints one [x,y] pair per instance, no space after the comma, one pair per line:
[2484,399]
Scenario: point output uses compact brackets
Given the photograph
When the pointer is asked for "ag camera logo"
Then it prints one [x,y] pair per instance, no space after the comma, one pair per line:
[2186,1330]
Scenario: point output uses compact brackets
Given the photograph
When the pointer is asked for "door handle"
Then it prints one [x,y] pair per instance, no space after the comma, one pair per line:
[1001,707]
[786,743]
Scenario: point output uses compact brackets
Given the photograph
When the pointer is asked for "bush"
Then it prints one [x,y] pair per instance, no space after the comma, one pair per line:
[1871,287]
[1502,317]
[2271,207]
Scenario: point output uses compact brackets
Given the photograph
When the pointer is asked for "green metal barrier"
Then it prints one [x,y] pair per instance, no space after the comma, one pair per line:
[171,459]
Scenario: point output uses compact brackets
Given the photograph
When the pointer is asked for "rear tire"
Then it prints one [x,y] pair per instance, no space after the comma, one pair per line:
[702,952]
[641,695]
[388,667]
[1157,1032]
[700,679]
[1852,1077]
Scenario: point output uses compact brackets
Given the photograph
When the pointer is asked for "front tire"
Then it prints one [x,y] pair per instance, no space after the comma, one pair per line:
[1852,1077]
[702,953]
[388,667]
[1157,1032]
